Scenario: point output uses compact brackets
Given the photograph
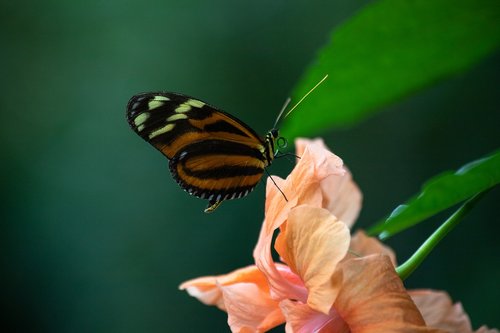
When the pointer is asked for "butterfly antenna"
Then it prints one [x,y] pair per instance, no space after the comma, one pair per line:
[281,112]
[310,91]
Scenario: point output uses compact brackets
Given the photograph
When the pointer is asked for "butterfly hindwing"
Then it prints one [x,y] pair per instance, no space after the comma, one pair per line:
[217,170]
[212,154]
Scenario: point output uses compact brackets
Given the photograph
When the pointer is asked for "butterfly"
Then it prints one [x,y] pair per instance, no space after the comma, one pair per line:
[212,154]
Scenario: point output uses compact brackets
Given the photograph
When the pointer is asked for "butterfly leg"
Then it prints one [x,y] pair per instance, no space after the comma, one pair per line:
[212,205]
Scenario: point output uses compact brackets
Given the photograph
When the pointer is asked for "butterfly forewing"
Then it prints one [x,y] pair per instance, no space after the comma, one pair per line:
[171,121]
[212,155]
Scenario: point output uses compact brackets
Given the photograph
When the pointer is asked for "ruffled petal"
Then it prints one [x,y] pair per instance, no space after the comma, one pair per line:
[243,294]
[362,245]
[302,186]
[314,243]
[373,298]
[325,163]
[250,309]
[207,288]
[280,286]
[485,329]
[439,311]
[300,318]
[302,143]
[340,195]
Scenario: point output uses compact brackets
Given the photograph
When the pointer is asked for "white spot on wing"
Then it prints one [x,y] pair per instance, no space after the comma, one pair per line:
[140,119]
[195,103]
[183,108]
[176,117]
[161,130]
[153,104]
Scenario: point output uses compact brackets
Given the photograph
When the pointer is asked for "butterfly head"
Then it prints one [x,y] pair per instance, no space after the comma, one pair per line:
[274,142]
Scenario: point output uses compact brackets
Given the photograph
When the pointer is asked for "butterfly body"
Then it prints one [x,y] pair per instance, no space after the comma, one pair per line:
[212,155]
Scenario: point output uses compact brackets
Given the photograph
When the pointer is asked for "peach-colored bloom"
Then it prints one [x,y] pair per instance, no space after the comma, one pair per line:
[439,311]
[328,281]
[319,180]
[244,294]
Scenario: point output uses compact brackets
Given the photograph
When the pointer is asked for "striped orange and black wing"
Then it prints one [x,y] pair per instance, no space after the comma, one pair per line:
[213,155]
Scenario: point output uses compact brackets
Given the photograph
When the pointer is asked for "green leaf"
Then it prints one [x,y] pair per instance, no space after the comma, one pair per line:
[442,192]
[389,50]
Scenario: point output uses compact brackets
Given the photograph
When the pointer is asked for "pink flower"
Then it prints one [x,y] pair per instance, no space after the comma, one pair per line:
[327,281]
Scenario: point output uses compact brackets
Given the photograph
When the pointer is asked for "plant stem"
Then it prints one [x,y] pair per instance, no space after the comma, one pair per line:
[423,251]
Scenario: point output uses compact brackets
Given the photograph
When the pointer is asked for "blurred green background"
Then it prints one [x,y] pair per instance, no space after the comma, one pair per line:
[96,234]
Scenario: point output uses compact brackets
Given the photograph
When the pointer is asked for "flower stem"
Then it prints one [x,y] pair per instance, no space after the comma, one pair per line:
[405,269]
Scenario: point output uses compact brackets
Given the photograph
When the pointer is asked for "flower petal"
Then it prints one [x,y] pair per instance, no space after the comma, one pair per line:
[362,245]
[302,143]
[243,294]
[315,242]
[300,318]
[485,329]
[373,298]
[250,309]
[280,286]
[439,311]
[207,289]
[302,186]
[340,195]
